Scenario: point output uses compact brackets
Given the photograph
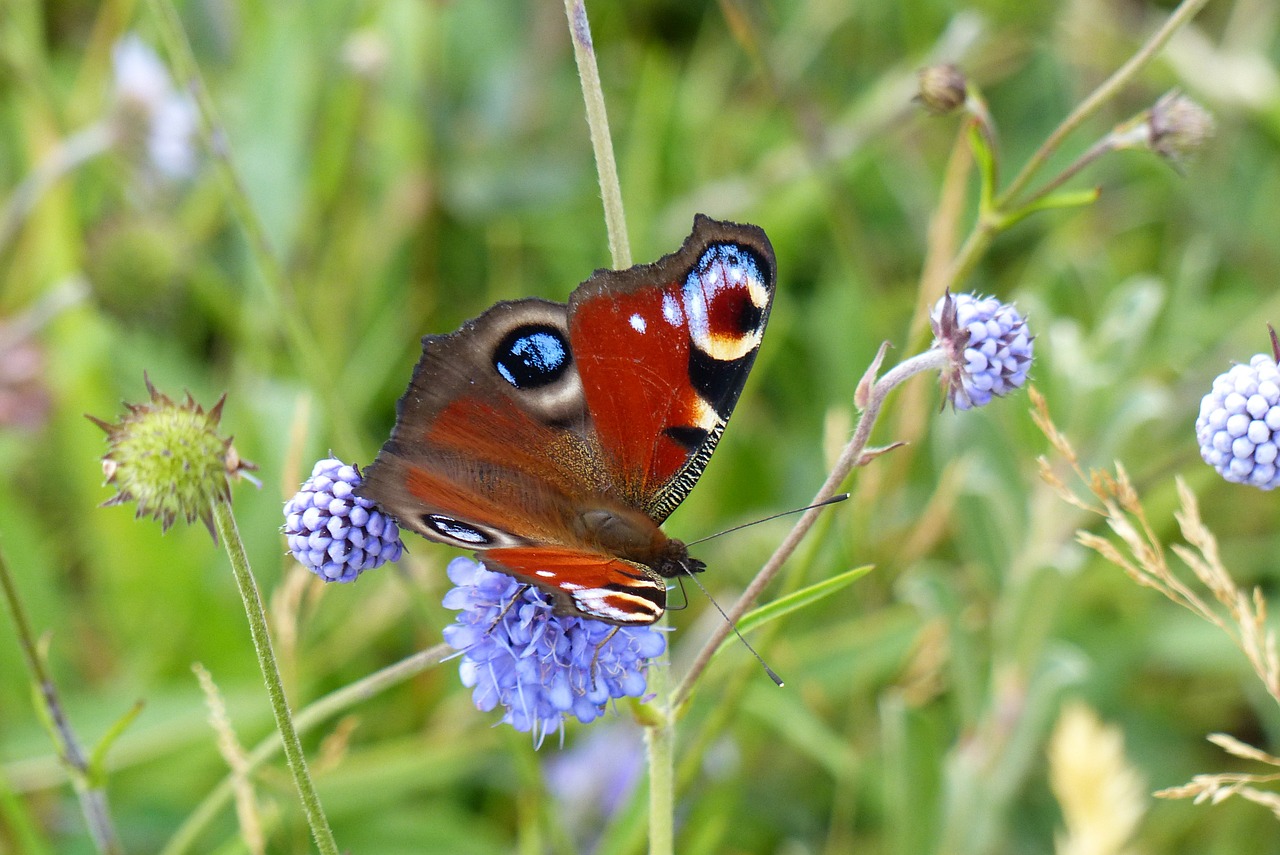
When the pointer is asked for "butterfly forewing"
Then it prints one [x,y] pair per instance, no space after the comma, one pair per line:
[664,350]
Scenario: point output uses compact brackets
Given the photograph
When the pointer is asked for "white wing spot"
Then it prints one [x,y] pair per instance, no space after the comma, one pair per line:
[671,312]
[638,323]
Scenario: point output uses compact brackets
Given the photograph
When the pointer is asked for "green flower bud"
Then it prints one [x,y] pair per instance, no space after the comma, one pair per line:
[168,458]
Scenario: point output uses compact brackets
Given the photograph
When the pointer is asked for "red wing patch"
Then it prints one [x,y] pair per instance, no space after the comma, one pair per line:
[586,584]
[664,351]
[633,356]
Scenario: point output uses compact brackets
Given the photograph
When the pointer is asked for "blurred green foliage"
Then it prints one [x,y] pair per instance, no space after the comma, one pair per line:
[412,162]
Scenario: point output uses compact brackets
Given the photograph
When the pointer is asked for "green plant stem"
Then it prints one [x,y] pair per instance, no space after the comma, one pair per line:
[1103,146]
[279,290]
[598,120]
[975,246]
[225,522]
[855,453]
[659,733]
[312,715]
[92,796]
[1005,209]
[1186,10]
[660,742]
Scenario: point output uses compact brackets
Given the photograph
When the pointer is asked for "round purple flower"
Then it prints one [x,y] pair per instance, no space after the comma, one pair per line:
[988,344]
[334,533]
[540,666]
[1238,423]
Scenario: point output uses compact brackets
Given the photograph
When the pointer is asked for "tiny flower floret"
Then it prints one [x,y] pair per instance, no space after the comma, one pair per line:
[1239,423]
[988,347]
[334,533]
[539,666]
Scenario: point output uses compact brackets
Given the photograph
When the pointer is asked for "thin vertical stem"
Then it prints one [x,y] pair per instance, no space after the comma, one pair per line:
[230,535]
[610,190]
[660,734]
[93,798]
[660,744]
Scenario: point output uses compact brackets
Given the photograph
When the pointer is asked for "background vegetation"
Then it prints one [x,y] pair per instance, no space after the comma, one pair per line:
[412,162]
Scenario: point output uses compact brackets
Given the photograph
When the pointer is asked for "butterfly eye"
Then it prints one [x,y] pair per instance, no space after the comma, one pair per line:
[532,356]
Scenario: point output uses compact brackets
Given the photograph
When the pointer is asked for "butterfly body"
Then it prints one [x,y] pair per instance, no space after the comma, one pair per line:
[554,439]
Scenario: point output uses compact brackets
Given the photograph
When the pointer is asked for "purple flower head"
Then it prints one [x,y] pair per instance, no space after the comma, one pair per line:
[334,533]
[988,346]
[593,779]
[539,666]
[1239,422]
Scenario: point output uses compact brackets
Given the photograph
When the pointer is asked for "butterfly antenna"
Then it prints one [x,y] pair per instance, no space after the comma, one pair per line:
[834,500]
[765,665]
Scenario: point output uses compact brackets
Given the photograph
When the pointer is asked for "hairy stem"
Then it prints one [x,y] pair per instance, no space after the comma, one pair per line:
[584,53]
[660,739]
[230,535]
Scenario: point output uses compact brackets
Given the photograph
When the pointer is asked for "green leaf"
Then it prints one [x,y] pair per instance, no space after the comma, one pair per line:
[799,599]
[97,770]
[1071,199]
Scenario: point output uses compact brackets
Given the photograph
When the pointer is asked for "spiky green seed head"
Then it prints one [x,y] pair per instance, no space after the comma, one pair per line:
[169,460]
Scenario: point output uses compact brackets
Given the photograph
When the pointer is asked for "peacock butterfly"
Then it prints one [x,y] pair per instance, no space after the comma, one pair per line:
[556,438]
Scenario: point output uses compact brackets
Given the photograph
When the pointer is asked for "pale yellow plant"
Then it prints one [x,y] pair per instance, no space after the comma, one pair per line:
[1241,614]
[1100,793]
[229,746]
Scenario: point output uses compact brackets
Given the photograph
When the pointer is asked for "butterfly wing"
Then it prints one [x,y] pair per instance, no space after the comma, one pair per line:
[663,351]
[492,451]
[598,586]
[555,439]
[490,438]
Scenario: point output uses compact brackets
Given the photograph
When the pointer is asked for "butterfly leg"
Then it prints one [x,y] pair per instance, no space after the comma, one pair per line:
[515,598]
[595,657]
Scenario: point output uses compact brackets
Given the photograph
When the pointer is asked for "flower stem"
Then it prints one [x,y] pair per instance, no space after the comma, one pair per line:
[92,796]
[230,535]
[310,716]
[598,120]
[660,734]
[1105,92]
[660,740]
[854,454]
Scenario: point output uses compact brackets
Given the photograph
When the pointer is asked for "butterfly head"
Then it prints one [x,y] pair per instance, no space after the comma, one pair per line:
[675,560]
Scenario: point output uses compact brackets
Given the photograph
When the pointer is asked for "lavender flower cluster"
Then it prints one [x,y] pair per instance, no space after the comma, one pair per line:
[539,666]
[334,533]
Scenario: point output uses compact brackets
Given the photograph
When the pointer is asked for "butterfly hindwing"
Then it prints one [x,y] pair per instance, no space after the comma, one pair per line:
[597,586]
